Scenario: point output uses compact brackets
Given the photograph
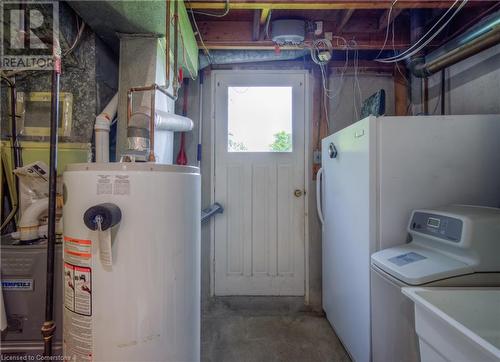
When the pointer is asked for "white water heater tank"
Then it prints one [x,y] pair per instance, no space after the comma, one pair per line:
[132,290]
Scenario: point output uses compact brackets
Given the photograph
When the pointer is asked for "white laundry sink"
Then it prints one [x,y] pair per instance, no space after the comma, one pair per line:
[457,324]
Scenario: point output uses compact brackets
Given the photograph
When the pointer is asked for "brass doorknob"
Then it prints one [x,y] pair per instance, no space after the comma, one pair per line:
[297,193]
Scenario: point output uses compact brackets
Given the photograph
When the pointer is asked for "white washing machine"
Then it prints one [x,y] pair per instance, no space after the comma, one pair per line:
[453,246]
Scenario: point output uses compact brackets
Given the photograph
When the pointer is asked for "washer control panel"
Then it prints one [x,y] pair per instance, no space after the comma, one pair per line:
[439,226]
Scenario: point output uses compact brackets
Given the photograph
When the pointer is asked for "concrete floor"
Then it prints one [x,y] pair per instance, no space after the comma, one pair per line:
[266,329]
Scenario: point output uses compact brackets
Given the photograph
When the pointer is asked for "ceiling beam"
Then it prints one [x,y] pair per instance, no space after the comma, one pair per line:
[256,25]
[320,5]
[384,20]
[345,16]
[231,34]
[264,14]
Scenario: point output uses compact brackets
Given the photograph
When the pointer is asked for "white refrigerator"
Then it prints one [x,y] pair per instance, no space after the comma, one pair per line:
[373,174]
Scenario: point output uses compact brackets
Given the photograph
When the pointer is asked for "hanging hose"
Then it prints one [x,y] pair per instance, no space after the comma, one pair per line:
[15,147]
[49,326]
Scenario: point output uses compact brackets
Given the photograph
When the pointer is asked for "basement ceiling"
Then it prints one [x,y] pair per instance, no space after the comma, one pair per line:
[243,26]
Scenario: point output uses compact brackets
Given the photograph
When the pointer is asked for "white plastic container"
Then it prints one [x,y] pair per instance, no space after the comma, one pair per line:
[457,324]
[145,306]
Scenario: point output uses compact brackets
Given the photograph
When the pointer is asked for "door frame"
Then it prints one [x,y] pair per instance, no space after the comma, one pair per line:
[307,122]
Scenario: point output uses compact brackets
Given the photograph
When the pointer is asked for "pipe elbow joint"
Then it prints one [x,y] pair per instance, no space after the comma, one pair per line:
[28,225]
[418,68]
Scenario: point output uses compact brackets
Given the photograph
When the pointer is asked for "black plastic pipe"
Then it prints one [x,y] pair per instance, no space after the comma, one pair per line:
[49,326]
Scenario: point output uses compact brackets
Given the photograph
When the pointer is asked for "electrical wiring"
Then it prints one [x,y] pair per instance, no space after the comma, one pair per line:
[387,29]
[221,15]
[406,55]
[318,49]
[268,21]
[78,37]
[207,52]
[193,76]
[356,77]
[426,34]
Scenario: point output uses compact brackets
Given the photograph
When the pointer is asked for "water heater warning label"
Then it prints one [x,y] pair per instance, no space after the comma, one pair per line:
[78,289]
[69,286]
[77,251]
[77,337]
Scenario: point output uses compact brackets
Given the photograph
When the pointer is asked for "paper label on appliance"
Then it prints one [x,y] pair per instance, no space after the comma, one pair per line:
[121,185]
[69,286]
[77,338]
[17,284]
[104,185]
[77,251]
[105,251]
[83,290]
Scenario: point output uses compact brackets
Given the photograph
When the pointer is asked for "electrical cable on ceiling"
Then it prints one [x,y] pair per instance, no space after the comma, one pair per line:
[426,34]
[268,21]
[207,52]
[402,56]
[221,15]
[387,29]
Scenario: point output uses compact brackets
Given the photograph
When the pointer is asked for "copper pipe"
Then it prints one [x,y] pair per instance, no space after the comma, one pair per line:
[167,43]
[152,117]
[176,48]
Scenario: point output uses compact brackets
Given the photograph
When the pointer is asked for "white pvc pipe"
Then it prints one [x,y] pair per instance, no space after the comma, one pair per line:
[28,225]
[102,126]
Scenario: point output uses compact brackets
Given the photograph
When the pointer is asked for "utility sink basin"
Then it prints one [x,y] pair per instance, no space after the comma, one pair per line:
[457,324]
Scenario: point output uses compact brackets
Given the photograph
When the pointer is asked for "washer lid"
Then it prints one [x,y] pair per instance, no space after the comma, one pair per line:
[416,265]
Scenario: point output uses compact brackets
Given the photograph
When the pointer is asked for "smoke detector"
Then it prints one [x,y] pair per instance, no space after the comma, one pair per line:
[288,31]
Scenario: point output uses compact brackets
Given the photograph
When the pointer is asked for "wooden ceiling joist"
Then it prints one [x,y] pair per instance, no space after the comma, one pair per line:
[345,16]
[317,5]
[385,21]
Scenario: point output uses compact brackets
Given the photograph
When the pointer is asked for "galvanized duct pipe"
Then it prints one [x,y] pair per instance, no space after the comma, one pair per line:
[219,57]
[478,38]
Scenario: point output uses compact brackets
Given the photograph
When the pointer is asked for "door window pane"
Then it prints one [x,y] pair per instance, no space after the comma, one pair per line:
[259,119]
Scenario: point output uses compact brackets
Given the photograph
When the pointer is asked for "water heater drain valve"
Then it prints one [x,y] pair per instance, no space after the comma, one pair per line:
[107,215]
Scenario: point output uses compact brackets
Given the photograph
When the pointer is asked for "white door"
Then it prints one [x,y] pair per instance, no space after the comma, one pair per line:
[259,179]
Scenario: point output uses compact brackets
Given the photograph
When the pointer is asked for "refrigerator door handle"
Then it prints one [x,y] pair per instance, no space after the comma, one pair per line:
[319,176]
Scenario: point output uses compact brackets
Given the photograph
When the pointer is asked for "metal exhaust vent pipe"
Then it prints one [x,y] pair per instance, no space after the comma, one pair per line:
[482,36]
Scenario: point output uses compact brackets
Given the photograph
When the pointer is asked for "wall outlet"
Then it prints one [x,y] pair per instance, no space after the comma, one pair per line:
[328,35]
[319,28]
[317,157]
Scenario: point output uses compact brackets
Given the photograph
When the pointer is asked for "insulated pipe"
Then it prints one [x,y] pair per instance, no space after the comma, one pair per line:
[28,224]
[49,326]
[101,128]
[165,121]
